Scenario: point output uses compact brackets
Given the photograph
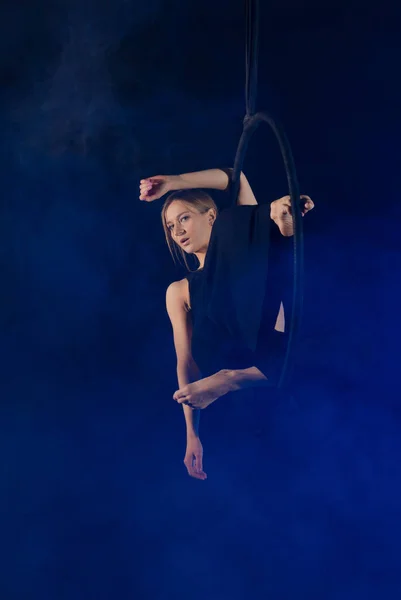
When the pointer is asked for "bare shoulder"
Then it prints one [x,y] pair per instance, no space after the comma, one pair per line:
[180,318]
[177,296]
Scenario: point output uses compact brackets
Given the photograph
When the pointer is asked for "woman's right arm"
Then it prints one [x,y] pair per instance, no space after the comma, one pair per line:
[154,188]
[187,372]
[216,179]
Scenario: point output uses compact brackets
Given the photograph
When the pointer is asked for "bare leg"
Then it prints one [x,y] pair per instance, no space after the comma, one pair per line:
[205,391]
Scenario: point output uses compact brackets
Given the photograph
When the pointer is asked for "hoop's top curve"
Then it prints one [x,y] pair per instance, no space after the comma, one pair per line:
[251,121]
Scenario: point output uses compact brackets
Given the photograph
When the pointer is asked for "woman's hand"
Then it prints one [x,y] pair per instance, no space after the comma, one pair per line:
[154,188]
[281,213]
[282,207]
[194,458]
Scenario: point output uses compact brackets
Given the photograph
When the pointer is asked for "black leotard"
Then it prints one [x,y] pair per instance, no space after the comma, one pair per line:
[236,297]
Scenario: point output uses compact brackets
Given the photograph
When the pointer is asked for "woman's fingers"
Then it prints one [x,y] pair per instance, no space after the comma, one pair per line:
[188,462]
[281,209]
[286,209]
[146,187]
[151,181]
[308,204]
[191,463]
[144,190]
[149,195]
[196,468]
[198,462]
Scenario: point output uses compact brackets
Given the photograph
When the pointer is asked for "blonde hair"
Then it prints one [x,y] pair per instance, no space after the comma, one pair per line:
[197,199]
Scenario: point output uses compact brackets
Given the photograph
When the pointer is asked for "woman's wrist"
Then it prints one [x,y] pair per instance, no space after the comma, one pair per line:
[176,183]
[193,431]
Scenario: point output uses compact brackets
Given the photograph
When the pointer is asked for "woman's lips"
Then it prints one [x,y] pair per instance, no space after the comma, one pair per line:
[185,242]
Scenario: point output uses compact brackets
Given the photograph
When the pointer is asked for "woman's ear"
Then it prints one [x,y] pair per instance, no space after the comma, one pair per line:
[212,216]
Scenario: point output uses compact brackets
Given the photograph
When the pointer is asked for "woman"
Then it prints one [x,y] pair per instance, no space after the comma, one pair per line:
[222,323]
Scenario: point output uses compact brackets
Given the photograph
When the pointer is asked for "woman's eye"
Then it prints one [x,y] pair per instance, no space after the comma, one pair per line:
[184,218]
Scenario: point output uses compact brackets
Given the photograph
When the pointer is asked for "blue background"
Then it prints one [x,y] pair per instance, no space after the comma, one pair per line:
[95,501]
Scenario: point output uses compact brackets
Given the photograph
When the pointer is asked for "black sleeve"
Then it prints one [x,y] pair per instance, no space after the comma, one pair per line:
[228,172]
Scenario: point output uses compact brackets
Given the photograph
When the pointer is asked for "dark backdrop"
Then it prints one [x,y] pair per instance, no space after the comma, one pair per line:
[95,501]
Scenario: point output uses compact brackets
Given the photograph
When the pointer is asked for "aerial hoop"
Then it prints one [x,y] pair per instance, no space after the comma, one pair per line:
[252,120]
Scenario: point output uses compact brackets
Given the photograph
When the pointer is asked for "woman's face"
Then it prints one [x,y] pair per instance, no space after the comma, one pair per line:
[189,228]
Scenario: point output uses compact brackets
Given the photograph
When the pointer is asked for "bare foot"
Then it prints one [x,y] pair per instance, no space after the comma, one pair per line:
[205,391]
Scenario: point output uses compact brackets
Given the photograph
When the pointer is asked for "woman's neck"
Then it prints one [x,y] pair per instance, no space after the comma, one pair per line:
[201,258]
